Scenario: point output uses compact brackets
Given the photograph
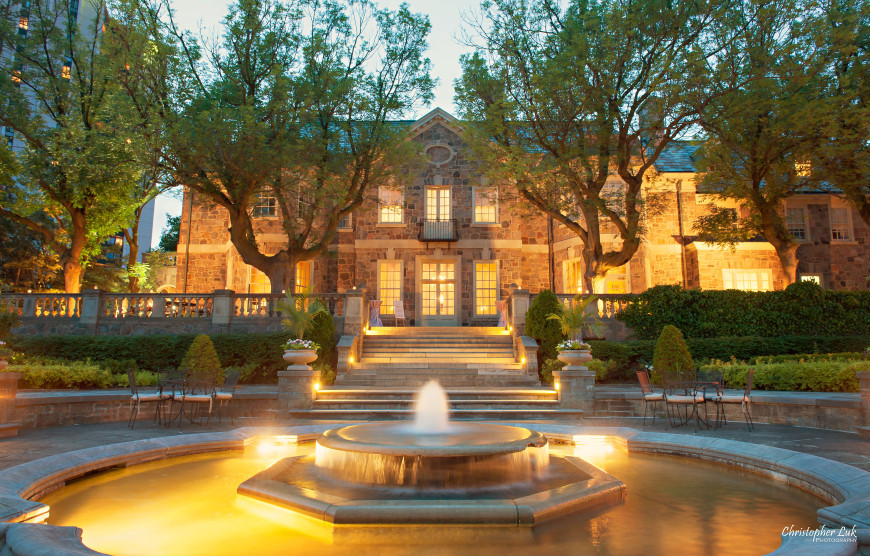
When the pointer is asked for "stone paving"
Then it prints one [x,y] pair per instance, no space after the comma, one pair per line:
[33,444]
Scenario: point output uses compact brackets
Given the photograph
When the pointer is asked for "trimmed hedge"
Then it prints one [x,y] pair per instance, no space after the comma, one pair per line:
[76,374]
[629,355]
[801,308]
[260,356]
[811,376]
[539,326]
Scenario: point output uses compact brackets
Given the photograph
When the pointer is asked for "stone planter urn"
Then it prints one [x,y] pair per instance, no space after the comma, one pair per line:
[296,384]
[575,357]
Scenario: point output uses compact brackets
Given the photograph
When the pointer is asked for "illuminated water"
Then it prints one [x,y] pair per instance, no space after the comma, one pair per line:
[431,410]
[189,506]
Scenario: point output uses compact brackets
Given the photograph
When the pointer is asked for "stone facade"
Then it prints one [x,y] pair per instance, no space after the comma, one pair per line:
[517,243]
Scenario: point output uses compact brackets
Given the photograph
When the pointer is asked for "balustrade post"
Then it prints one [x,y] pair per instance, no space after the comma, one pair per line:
[355,313]
[519,307]
[92,303]
[28,307]
[222,310]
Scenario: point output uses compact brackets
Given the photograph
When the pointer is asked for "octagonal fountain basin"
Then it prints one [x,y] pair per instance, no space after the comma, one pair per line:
[470,473]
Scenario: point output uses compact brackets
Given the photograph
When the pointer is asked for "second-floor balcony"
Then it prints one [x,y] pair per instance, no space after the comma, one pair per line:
[438,230]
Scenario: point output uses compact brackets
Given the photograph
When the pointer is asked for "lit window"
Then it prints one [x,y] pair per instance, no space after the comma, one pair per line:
[389,285]
[814,278]
[615,281]
[303,276]
[259,282]
[574,276]
[797,223]
[16,77]
[265,205]
[747,280]
[485,205]
[66,72]
[841,229]
[390,201]
[485,288]
[803,168]
[344,222]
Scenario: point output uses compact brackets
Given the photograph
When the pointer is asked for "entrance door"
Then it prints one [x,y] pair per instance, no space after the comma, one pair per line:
[438,294]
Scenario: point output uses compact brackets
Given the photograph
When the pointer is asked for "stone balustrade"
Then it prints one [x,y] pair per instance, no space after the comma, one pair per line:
[98,312]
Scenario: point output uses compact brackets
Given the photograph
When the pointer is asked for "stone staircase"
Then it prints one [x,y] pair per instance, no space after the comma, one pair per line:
[456,357]
[474,364]
[465,403]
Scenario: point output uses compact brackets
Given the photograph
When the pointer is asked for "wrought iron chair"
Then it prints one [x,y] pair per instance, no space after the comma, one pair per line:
[199,390]
[224,396]
[682,394]
[138,398]
[650,396]
[743,399]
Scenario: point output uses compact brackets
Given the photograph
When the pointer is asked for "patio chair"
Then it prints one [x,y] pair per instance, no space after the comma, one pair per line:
[399,310]
[138,398]
[743,399]
[224,396]
[650,396]
[680,394]
[198,392]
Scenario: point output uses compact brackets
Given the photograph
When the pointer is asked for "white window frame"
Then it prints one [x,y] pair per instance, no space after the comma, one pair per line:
[849,226]
[387,309]
[251,272]
[497,286]
[427,206]
[489,194]
[729,278]
[263,199]
[310,264]
[600,284]
[813,277]
[382,206]
[349,224]
[806,222]
[565,285]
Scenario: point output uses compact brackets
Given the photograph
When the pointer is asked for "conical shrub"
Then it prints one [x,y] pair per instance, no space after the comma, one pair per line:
[201,356]
[546,331]
[672,354]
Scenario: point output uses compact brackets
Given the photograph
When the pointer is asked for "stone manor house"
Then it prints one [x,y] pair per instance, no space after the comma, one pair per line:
[449,250]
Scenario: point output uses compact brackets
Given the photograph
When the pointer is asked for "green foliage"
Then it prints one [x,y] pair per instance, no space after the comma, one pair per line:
[300,311]
[811,376]
[8,321]
[327,372]
[604,370]
[76,374]
[546,372]
[672,354]
[575,317]
[541,327]
[201,356]
[170,236]
[803,308]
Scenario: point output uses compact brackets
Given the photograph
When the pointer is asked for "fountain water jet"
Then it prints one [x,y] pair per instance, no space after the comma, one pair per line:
[431,410]
[432,471]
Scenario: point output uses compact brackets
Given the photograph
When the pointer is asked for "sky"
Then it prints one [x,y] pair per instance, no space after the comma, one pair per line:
[444,51]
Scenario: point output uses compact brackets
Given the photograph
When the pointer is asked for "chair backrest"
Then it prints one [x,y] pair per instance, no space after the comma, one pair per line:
[671,381]
[131,378]
[399,308]
[230,382]
[645,384]
[749,378]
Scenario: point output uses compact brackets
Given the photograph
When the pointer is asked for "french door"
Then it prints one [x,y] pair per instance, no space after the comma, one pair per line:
[438,293]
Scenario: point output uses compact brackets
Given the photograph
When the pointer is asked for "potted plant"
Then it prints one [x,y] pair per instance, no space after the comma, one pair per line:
[572,319]
[299,313]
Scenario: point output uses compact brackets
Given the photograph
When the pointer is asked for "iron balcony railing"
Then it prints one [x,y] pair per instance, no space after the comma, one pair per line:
[438,230]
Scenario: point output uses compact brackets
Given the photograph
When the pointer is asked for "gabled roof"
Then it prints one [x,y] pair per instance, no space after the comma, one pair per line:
[678,157]
[436,116]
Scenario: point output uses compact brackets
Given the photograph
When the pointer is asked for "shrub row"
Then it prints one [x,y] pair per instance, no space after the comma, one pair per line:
[76,374]
[603,369]
[812,376]
[799,309]
[630,355]
[258,357]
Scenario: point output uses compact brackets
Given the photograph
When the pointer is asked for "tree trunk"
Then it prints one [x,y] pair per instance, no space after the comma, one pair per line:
[72,276]
[787,253]
[132,236]
[71,260]
[775,233]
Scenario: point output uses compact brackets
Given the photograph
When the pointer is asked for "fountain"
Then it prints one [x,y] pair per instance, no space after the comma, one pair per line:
[434,471]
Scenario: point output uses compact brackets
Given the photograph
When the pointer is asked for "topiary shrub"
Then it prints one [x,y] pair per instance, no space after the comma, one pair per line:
[539,326]
[672,354]
[547,369]
[201,356]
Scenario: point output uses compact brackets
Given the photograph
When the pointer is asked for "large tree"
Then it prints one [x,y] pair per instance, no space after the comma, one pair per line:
[563,100]
[844,153]
[761,136]
[289,112]
[78,162]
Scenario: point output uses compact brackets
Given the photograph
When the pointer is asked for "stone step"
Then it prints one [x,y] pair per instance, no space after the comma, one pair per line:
[429,343]
[455,405]
[433,373]
[365,365]
[437,331]
[408,394]
[407,414]
[435,358]
[492,381]
[440,354]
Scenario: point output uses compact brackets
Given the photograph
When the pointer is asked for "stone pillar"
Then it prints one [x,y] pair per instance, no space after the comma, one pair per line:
[355,312]
[8,411]
[296,384]
[28,308]
[222,310]
[864,381]
[92,304]
[527,348]
[346,354]
[519,308]
[576,387]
